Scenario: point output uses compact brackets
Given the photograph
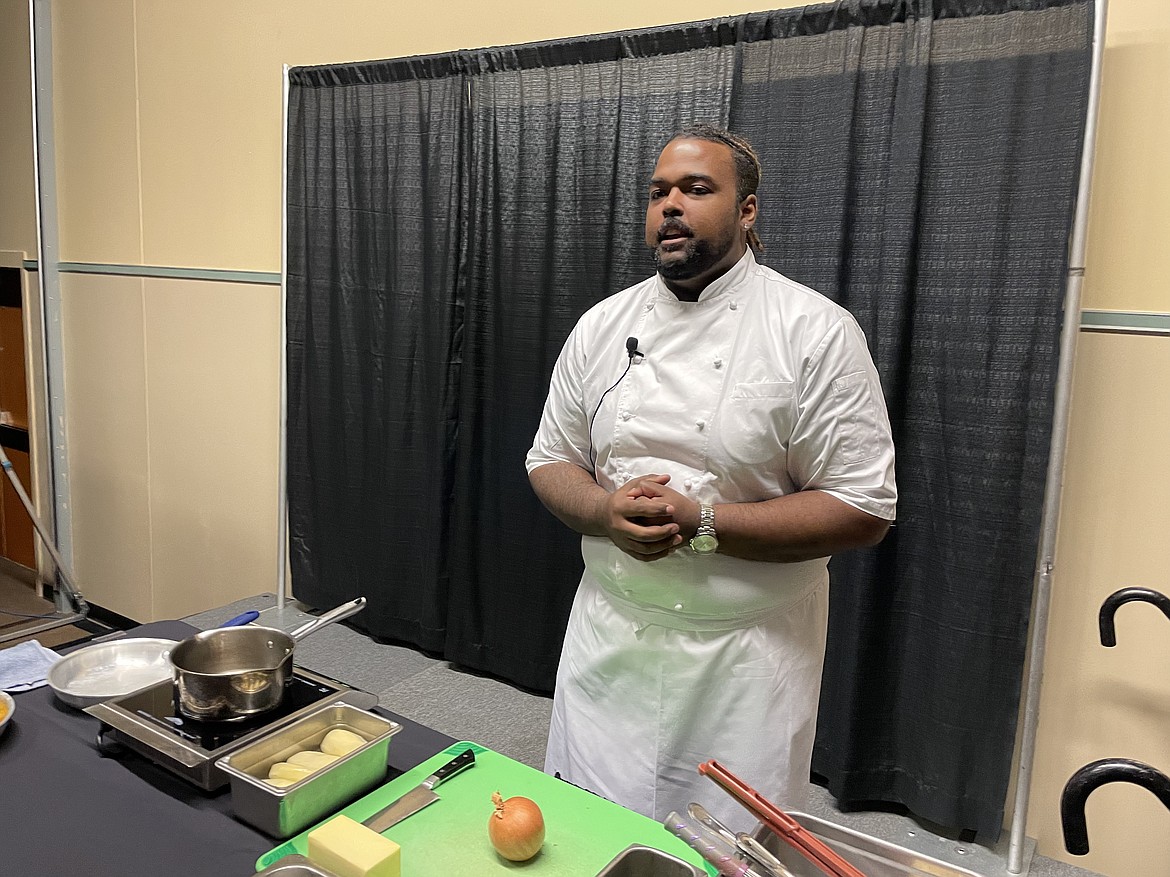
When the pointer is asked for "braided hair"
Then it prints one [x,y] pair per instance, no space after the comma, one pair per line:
[747,165]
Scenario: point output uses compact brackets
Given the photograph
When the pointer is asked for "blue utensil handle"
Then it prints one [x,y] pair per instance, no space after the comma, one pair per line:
[249,616]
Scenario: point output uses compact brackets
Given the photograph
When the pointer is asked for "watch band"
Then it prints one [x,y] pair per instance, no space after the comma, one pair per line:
[705,540]
[706,520]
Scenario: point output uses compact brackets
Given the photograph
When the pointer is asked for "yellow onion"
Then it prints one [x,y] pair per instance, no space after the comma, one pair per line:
[516,828]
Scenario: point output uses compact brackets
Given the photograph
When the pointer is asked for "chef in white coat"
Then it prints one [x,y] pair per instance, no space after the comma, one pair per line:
[714,433]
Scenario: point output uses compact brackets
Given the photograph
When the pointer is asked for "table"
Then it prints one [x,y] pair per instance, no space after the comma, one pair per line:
[65,809]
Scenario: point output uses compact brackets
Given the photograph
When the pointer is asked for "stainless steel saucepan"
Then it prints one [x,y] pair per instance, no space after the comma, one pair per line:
[236,672]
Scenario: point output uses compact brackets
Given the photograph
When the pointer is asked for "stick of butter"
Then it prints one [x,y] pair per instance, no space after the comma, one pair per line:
[349,849]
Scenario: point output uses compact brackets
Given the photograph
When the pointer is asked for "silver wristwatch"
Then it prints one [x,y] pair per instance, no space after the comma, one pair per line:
[705,541]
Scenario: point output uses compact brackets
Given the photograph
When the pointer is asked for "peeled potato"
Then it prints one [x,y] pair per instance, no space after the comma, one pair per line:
[341,742]
[284,770]
[312,759]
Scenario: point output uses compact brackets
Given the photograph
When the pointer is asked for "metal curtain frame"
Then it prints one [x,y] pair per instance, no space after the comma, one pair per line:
[48,253]
[1054,483]
[57,537]
[282,475]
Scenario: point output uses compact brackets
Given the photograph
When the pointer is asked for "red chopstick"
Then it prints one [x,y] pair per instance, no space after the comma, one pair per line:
[787,828]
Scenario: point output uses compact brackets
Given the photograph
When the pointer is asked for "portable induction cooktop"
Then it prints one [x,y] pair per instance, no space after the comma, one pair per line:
[150,723]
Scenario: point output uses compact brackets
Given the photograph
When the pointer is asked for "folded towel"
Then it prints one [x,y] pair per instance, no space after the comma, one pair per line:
[26,666]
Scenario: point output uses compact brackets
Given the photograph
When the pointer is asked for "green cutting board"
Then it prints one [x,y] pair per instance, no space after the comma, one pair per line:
[583,833]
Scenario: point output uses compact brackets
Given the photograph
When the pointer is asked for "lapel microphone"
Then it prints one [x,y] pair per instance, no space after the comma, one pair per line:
[631,351]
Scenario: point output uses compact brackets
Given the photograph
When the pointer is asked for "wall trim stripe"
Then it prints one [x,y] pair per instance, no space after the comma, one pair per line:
[271,278]
[1139,322]
[1092,320]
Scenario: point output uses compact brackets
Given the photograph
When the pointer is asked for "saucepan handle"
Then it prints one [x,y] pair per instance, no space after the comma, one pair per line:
[240,620]
[343,611]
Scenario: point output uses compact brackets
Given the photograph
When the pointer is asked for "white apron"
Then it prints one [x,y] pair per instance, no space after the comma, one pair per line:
[638,707]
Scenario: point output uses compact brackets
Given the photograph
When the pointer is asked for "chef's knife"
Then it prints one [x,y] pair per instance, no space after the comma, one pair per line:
[421,795]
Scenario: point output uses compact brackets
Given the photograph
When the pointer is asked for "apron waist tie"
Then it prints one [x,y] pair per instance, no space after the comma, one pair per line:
[642,615]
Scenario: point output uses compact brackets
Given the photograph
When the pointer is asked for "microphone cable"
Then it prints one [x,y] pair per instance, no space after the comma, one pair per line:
[631,352]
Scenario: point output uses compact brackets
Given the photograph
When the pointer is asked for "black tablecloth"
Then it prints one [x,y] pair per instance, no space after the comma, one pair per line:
[66,810]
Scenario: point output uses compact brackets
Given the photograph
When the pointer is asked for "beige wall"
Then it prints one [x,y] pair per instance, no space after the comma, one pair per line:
[173,423]
[168,146]
[1111,702]
[175,111]
[18,221]
[1128,259]
[95,103]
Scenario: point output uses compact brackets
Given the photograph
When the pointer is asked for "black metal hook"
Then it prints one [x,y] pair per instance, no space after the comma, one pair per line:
[1126,595]
[1082,783]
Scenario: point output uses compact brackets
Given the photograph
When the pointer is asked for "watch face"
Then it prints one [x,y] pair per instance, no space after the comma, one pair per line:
[704,544]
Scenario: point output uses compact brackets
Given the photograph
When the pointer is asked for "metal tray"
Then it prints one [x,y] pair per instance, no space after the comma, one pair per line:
[107,670]
[282,812]
[870,855]
[637,860]
[295,865]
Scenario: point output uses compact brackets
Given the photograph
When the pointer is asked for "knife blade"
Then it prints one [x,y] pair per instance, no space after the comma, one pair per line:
[420,796]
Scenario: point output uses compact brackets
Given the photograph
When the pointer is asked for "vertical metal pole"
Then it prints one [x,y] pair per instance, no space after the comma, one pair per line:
[282,489]
[1045,562]
[48,255]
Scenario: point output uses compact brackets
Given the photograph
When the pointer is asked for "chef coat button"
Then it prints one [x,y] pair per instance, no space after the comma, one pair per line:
[678,607]
[733,305]
[719,363]
[701,424]
[626,415]
[688,484]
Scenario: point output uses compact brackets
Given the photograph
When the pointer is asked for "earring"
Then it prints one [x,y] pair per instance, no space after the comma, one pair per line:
[747,228]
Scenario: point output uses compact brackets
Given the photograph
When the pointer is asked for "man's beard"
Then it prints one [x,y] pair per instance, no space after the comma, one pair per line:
[698,256]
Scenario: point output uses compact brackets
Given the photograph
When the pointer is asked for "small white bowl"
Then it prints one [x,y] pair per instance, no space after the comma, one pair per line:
[7,710]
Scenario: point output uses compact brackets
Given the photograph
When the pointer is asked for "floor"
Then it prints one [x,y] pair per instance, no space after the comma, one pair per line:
[22,610]
[469,706]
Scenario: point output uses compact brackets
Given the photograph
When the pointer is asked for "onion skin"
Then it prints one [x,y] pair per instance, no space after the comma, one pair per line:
[516,828]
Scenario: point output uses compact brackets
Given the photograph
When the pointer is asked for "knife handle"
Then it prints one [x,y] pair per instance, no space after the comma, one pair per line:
[460,762]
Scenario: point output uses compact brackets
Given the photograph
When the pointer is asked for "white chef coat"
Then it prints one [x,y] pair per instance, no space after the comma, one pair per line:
[761,388]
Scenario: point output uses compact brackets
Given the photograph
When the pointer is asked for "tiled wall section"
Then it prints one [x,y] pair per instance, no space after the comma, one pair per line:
[173,419]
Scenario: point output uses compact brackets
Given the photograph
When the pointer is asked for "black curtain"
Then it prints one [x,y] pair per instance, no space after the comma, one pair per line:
[920,161]
[921,170]
[376,167]
[559,158]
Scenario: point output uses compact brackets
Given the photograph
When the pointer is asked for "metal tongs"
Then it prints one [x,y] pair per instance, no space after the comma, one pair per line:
[734,854]
[779,822]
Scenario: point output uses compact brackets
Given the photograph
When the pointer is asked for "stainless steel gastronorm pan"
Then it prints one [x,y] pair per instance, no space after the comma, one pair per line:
[282,812]
[873,856]
[637,860]
[295,865]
